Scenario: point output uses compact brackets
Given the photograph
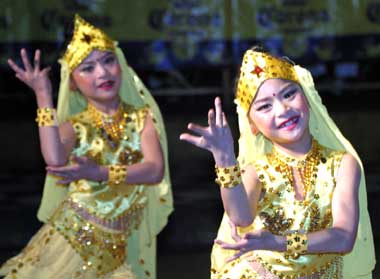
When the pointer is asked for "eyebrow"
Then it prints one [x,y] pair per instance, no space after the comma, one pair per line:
[100,58]
[286,87]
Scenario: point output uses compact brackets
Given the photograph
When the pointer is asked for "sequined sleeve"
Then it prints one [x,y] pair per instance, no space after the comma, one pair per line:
[141,117]
[335,164]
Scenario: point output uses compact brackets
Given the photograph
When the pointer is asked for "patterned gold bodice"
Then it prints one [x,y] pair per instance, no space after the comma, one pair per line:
[280,212]
[97,197]
[97,219]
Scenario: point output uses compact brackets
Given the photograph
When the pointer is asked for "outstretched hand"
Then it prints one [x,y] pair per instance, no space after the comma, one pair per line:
[32,76]
[254,240]
[216,137]
[83,168]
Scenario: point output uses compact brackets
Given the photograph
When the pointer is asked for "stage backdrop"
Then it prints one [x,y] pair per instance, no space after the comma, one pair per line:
[183,33]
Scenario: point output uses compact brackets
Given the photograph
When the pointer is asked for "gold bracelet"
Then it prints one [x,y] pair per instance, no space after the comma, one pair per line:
[46,117]
[228,177]
[296,244]
[117,174]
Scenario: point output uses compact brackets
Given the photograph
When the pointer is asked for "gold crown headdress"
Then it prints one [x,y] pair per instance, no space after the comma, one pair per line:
[255,69]
[86,38]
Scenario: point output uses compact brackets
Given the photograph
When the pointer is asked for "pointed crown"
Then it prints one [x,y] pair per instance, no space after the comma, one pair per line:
[255,69]
[86,38]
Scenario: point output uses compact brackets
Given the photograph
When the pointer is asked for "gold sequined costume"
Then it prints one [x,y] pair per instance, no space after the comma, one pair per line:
[278,211]
[92,229]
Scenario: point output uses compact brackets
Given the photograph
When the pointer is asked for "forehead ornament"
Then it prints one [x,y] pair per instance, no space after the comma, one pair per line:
[255,69]
[86,38]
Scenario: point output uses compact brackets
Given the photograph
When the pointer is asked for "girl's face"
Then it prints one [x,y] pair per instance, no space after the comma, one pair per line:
[280,112]
[98,77]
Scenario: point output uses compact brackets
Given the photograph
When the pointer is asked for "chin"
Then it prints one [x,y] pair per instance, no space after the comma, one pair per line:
[107,95]
[289,138]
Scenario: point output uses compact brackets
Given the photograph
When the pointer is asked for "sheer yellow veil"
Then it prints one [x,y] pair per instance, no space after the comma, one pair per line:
[133,92]
[361,260]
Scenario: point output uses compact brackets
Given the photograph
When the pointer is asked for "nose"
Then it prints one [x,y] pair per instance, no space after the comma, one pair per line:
[281,108]
[101,70]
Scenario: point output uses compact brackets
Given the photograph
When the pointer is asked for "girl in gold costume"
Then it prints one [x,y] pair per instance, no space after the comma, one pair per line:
[107,193]
[295,198]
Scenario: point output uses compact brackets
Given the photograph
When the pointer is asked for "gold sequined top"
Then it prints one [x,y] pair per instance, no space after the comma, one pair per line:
[98,198]
[95,218]
[280,212]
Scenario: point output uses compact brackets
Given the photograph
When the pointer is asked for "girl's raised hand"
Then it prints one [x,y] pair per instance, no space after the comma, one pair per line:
[32,75]
[216,137]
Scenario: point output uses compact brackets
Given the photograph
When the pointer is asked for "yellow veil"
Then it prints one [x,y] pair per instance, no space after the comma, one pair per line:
[133,92]
[361,261]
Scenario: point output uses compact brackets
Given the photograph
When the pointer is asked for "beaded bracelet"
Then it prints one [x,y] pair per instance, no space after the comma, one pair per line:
[117,174]
[228,177]
[296,244]
[46,117]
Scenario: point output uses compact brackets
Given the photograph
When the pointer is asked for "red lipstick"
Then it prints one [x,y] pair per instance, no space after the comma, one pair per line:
[290,123]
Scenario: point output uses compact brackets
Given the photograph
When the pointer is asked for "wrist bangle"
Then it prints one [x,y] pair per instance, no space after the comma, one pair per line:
[117,174]
[296,244]
[46,117]
[228,177]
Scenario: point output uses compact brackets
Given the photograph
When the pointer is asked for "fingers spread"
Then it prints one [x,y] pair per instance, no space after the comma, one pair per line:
[231,246]
[37,57]
[63,169]
[20,77]
[46,70]
[197,141]
[197,129]
[60,174]
[225,123]
[211,119]
[14,67]
[218,112]
[25,60]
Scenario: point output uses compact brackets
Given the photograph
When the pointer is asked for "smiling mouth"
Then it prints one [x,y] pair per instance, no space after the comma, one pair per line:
[106,85]
[290,122]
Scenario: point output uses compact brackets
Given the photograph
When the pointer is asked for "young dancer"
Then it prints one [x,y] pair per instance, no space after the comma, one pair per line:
[107,193]
[295,198]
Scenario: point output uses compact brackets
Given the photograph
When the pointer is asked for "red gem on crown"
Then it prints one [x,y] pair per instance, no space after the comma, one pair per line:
[257,71]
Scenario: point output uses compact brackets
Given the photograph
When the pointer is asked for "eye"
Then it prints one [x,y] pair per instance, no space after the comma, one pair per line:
[290,93]
[87,69]
[263,107]
[109,59]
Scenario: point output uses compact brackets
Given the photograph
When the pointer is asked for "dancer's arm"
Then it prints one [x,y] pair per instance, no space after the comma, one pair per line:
[56,142]
[148,172]
[217,139]
[340,238]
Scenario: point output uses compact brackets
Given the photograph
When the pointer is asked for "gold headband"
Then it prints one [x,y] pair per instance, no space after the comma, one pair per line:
[255,69]
[86,38]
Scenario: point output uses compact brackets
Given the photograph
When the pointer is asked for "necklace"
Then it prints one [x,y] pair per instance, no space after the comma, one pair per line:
[112,126]
[305,168]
